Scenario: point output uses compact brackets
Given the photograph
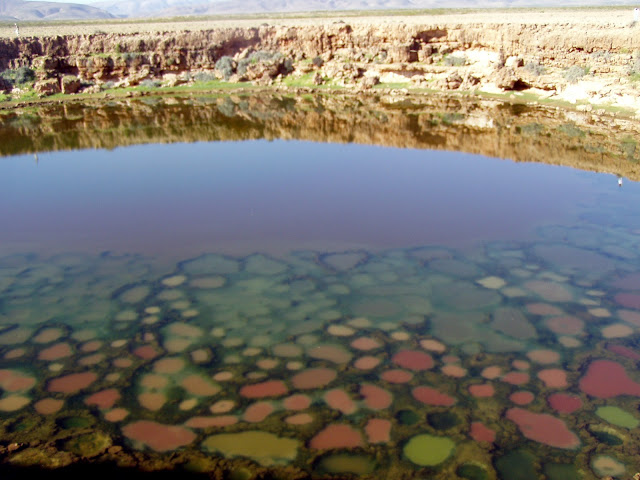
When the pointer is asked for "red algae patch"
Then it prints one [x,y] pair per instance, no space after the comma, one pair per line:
[366,343]
[270,388]
[297,402]
[516,378]
[543,428]
[158,437]
[378,430]
[366,363]
[553,378]
[92,346]
[630,317]
[257,412]
[340,400]
[543,309]
[313,378]
[116,415]
[376,398]
[608,379]
[198,385]
[122,362]
[628,300]
[48,406]
[72,383]
[522,397]
[481,433]
[146,352]
[544,357]
[485,390]
[521,365]
[105,399]
[566,325]
[331,353]
[299,419]
[564,403]
[396,376]
[56,352]
[15,381]
[209,422]
[624,352]
[413,360]
[431,396]
[550,291]
[337,436]
[169,365]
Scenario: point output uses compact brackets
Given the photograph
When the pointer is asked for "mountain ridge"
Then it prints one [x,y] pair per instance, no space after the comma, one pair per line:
[14,10]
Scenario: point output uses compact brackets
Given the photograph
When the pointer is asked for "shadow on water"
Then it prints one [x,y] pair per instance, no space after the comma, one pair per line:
[492,128]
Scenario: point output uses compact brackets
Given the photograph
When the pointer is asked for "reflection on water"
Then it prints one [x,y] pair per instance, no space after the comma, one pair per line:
[317,310]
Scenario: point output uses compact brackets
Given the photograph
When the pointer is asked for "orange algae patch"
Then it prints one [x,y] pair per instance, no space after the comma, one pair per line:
[367,363]
[222,406]
[223,376]
[543,357]
[56,352]
[566,325]
[208,422]
[92,346]
[397,376]
[146,352]
[15,353]
[543,428]
[48,406]
[331,353]
[122,362]
[543,309]
[491,373]
[433,345]
[153,381]
[553,378]
[116,415]
[14,381]
[258,411]
[522,397]
[299,419]
[91,359]
[378,430]
[169,365]
[431,396]
[520,365]
[366,343]
[455,371]
[297,402]
[104,399]
[13,403]
[516,378]
[481,433]
[197,385]
[271,388]
[72,383]
[339,400]
[48,335]
[413,360]
[376,398]
[337,436]
[158,437]
[482,391]
[152,401]
[313,378]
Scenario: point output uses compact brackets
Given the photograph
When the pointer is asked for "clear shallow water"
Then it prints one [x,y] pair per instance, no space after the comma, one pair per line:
[358,309]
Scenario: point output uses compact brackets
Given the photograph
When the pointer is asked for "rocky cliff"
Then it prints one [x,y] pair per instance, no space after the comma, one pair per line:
[572,61]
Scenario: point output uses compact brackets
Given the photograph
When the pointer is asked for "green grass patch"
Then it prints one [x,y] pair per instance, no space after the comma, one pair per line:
[305,80]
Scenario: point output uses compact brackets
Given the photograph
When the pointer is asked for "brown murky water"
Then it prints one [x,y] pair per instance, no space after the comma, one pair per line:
[308,309]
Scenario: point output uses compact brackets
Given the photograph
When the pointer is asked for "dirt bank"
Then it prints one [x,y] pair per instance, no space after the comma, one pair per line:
[588,56]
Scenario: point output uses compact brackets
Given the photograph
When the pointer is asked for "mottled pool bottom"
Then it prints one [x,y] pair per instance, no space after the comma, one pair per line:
[513,359]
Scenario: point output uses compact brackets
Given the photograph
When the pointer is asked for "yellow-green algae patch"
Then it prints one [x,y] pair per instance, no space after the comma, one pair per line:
[617,416]
[263,447]
[428,450]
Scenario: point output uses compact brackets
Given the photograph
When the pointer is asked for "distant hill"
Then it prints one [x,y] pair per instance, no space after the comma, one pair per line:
[22,10]
[172,8]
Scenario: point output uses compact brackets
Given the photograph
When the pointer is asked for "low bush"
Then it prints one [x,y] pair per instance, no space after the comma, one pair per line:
[225,65]
[535,68]
[455,60]
[575,73]
[19,76]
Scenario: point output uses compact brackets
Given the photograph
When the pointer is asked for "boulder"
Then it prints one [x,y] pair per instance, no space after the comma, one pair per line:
[50,86]
[71,84]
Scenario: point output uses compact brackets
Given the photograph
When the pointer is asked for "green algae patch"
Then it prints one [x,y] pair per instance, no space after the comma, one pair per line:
[347,463]
[428,450]
[618,417]
[263,447]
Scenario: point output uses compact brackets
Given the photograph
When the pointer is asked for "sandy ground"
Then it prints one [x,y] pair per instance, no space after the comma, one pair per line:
[614,17]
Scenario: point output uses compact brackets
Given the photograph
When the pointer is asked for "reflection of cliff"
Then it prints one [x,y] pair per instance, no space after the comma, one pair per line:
[488,128]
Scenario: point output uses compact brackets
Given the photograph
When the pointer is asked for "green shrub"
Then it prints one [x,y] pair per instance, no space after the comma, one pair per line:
[149,83]
[575,73]
[19,76]
[225,65]
[534,68]
[204,77]
[455,60]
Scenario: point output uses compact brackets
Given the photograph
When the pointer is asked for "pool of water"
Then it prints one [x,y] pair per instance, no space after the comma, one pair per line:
[316,309]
